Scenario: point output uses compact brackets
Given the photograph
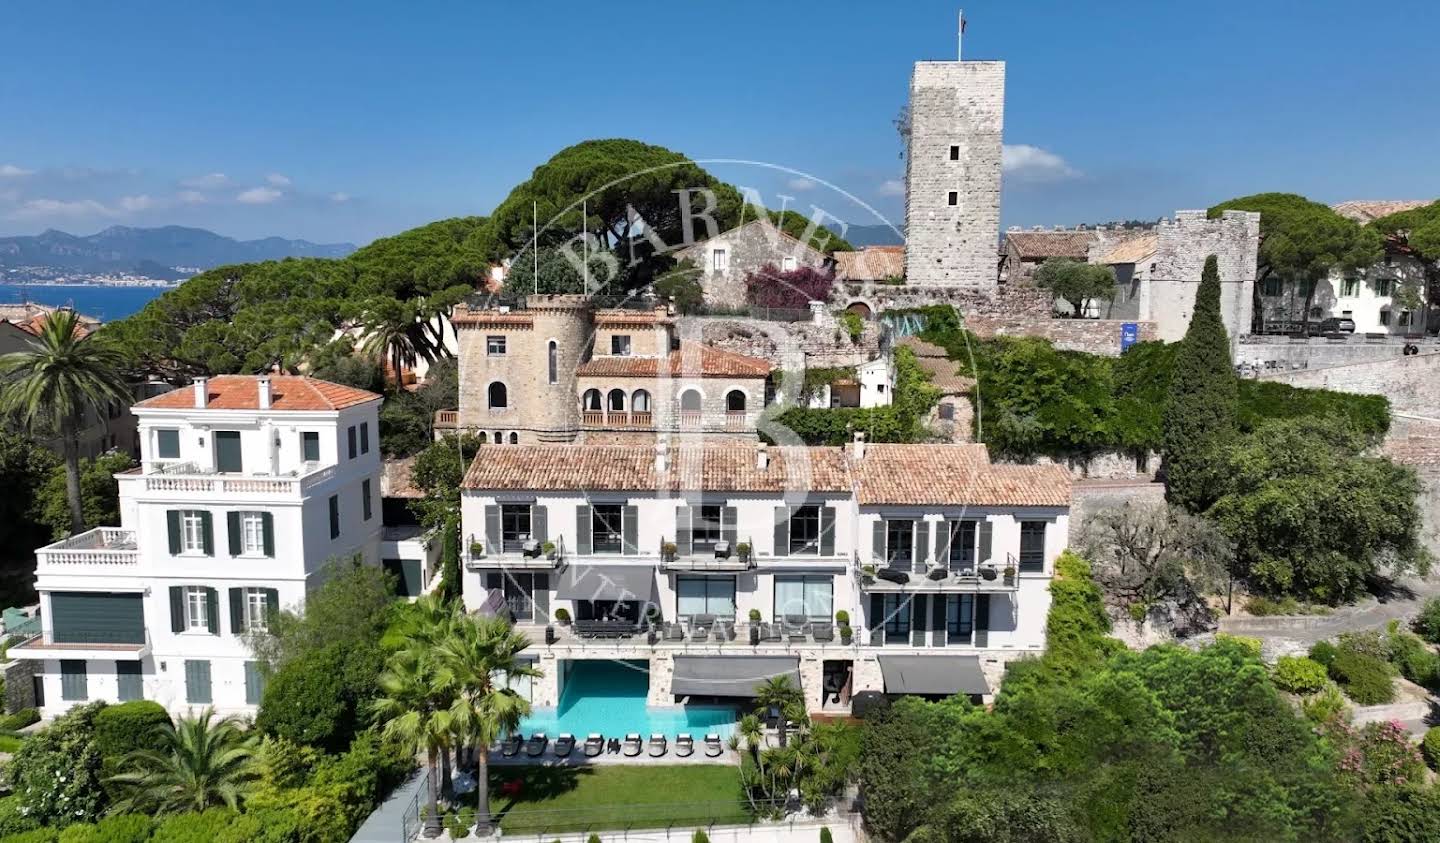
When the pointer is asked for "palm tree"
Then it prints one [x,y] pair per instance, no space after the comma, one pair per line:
[395,334]
[203,764]
[750,729]
[780,694]
[478,659]
[49,387]
[414,707]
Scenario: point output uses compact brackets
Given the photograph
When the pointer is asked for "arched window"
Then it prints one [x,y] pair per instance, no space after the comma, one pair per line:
[499,396]
[615,401]
[735,401]
[483,437]
[499,438]
[553,361]
[514,439]
[690,400]
[592,400]
[640,401]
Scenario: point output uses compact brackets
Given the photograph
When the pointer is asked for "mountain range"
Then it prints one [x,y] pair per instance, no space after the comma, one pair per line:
[153,252]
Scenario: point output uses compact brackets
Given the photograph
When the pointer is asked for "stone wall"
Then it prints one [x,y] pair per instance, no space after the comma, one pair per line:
[1411,383]
[1283,353]
[748,248]
[1092,336]
[825,345]
[1087,498]
[1112,465]
[19,677]
[1184,244]
[957,115]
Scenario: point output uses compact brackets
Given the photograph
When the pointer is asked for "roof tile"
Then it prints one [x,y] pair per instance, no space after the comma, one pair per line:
[690,359]
[242,392]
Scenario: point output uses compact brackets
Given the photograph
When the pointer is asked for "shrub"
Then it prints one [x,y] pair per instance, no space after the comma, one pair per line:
[314,700]
[120,828]
[768,286]
[1326,706]
[825,835]
[867,705]
[1414,658]
[593,838]
[1430,747]
[842,618]
[124,728]
[562,615]
[1427,623]
[39,835]
[12,817]
[854,325]
[193,828]
[455,824]
[270,825]
[682,284]
[1323,652]
[56,772]
[699,836]
[1298,674]
[1265,606]
[1366,679]
[19,720]
[1370,643]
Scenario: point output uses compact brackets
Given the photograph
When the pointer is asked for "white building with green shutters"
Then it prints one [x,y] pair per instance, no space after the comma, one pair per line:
[248,485]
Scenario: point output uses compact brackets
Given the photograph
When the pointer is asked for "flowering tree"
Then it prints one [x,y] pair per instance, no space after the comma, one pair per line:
[1378,754]
[768,286]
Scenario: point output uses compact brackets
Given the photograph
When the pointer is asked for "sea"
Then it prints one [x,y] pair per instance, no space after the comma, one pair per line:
[104,302]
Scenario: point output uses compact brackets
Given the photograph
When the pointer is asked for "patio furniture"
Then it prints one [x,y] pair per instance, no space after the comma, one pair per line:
[894,575]
[684,745]
[674,632]
[795,628]
[510,747]
[594,745]
[604,629]
[535,747]
[771,632]
[564,745]
[633,745]
[823,632]
[713,747]
[658,745]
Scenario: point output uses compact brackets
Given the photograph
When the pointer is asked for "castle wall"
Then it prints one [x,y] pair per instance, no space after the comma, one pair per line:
[1184,244]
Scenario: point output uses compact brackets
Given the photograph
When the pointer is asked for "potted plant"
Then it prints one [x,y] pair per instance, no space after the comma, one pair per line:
[668,551]
[743,550]
[754,615]
[842,618]
[867,574]
[549,549]
[477,549]
[652,615]
[562,616]
[846,633]
[1009,574]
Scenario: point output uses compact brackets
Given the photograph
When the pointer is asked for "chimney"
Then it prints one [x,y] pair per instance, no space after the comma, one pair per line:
[202,392]
[662,455]
[262,385]
[857,447]
[762,456]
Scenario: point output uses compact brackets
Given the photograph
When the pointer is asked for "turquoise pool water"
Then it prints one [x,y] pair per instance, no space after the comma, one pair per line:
[609,697]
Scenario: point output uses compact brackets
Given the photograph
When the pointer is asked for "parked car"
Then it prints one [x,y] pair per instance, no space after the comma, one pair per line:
[1337,325]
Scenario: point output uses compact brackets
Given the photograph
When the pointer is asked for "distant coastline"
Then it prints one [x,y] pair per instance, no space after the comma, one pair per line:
[107,302]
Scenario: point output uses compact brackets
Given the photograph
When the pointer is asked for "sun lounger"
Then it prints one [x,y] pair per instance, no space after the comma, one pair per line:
[633,744]
[594,745]
[510,747]
[684,746]
[658,745]
[564,745]
[713,747]
[535,747]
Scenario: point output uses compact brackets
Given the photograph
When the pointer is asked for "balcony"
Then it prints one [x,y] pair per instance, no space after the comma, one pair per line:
[716,557]
[72,645]
[637,419]
[513,556]
[919,577]
[185,480]
[698,635]
[101,550]
[447,419]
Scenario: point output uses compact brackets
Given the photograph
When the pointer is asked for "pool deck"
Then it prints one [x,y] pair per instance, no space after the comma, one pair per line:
[578,759]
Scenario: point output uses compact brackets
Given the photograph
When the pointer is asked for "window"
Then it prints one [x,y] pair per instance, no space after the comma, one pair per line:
[615,401]
[706,527]
[1307,289]
[954,198]
[1385,318]
[805,529]
[690,401]
[514,438]
[899,542]
[254,683]
[1274,287]
[962,544]
[620,344]
[365,437]
[1404,319]
[1384,286]
[197,682]
[334,517]
[167,444]
[252,534]
[192,531]
[787,264]
[897,615]
[129,681]
[735,401]
[605,527]
[809,597]
[499,396]
[494,346]
[705,596]
[310,446]
[1032,545]
[350,440]
[591,401]
[228,456]
[960,617]
[514,526]
[197,608]
[257,609]
[72,680]
[719,260]
[640,401]
[947,411]
[954,152]
[365,501]
[552,361]
[1350,287]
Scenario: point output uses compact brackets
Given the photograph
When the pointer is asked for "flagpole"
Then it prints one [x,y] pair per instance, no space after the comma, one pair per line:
[535,242]
[584,238]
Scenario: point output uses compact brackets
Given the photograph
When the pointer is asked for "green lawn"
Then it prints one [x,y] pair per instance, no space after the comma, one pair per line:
[556,799]
[9,743]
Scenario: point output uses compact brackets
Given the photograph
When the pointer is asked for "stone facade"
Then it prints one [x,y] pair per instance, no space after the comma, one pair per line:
[726,259]
[952,174]
[792,346]
[1184,244]
[1411,383]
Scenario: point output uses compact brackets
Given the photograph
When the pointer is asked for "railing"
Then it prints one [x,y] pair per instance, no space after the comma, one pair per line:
[593,417]
[187,478]
[447,419]
[107,546]
[706,635]
[617,418]
[642,418]
[691,419]
[984,577]
[81,640]
[736,420]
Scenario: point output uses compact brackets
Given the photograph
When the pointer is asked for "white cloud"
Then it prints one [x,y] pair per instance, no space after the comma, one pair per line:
[800,184]
[143,202]
[1031,163]
[10,171]
[209,181]
[339,196]
[258,196]
[892,187]
[190,197]
[39,209]
[278,179]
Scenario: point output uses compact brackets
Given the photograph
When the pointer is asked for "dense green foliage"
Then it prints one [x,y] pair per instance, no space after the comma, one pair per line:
[117,828]
[681,286]
[1427,622]
[1415,233]
[1430,747]
[25,467]
[903,420]
[202,762]
[56,773]
[1201,410]
[1298,674]
[128,727]
[99,494]
[1077,282]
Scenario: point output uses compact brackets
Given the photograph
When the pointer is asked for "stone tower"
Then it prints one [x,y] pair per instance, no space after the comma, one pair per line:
[952,174]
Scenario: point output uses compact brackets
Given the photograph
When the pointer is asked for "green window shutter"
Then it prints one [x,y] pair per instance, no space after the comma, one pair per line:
[267,527]
[129,681]
[254,683]
[365,498]
[539,524]
[919,619]
[987,537]
[782,531]
[365,437]
[350,441]
[334,517]
[630,529]
[207,533]
[237,611]
[73,685]
[212,610]
[232,526]
[172,527]
[982,620]
[272,604]
[177,608]
[683,533]
[197,682]
[827,530]
[584,543]
[922,543]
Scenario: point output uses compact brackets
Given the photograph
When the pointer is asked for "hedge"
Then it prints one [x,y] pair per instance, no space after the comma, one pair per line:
[121,828]
[124,728]
[1366,679]
[1298,674]
[193,828]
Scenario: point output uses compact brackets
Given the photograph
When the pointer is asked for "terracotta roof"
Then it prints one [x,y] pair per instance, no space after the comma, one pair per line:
[395,479]
[1131,250]
[632,317]
[241,392]
[1037,245]
[945,376]
[922,348]
[465,316]
[691,359]
[1366,210]
[873,263]
[940,475]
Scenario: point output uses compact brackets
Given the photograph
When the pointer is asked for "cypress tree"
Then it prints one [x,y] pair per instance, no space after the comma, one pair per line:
[1201,410]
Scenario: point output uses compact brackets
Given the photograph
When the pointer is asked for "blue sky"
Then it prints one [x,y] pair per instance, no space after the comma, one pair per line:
[347,121]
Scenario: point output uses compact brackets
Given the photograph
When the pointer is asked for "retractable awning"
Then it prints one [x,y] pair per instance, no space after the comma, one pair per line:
[730,676]
[937,674]
[607,582]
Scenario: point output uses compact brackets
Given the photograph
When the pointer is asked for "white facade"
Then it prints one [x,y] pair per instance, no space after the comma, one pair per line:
[872,386]
[1367,296]
[233,515]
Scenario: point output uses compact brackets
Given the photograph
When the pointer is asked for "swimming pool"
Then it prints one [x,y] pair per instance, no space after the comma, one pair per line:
[609,697]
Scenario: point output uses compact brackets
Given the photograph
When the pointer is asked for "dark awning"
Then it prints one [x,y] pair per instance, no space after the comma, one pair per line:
[938,674]
[730,676]
[607,582]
